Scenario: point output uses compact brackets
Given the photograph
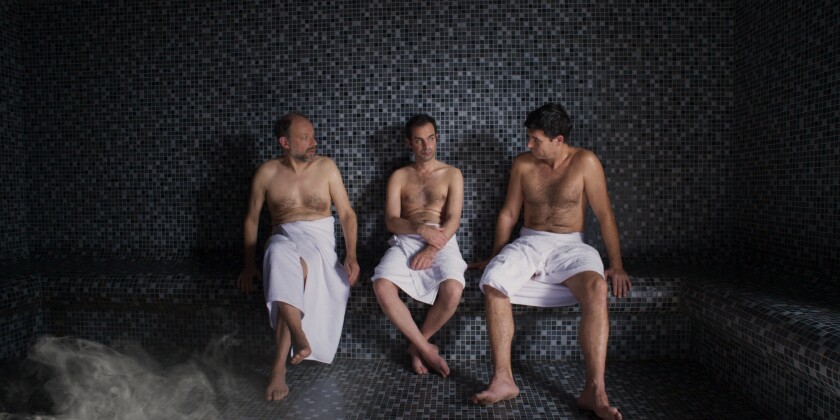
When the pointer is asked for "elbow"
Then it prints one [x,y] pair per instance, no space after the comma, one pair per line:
[390,223]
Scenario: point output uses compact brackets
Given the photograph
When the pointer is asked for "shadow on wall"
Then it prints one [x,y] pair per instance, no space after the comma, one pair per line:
[370,204]
[223,181]
[484,159]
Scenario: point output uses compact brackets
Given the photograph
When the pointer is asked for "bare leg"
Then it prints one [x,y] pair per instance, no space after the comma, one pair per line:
[449,295]
[590,289]
[293,317]
[388,296]
[277,388]
[500,327]
[287,316]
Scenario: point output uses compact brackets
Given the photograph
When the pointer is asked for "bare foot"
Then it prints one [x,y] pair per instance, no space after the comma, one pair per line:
[301,348]
[434,360]
[417,362]
[500,389]
[591,399]
[277,388]
[301,353]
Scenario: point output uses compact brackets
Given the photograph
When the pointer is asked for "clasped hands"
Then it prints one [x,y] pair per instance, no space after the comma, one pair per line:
[436,240]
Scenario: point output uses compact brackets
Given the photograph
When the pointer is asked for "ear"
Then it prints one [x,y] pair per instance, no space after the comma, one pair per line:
[407,142]
[284,142]
[560,139]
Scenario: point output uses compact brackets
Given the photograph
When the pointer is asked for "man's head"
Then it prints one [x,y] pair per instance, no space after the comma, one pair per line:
[421,137]
[548,127]
[296,136]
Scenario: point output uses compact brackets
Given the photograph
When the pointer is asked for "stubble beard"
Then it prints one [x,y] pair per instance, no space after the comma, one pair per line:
[305,157]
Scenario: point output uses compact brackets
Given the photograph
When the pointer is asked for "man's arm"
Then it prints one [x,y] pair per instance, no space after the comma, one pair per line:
[595,186]
[399,226]
[252,220]
[508,215]
[347,216]
[454,206]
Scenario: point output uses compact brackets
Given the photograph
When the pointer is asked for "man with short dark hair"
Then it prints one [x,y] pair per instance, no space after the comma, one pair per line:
[423,210]
[549,264]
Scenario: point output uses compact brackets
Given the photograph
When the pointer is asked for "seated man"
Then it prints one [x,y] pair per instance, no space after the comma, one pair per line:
[306,288]
[423,209]
[549,264]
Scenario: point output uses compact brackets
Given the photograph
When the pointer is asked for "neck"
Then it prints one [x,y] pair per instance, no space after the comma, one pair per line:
[560,157]
[425,166]
[296,165]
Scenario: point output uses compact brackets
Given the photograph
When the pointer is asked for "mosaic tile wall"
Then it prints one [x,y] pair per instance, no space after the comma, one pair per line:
[148,119]
[13,212]
[787,153]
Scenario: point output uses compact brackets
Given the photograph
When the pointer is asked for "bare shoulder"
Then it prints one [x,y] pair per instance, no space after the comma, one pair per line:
[451,172]
[327,167]
[400,175]
[524,160]
[586,159]
[268,169]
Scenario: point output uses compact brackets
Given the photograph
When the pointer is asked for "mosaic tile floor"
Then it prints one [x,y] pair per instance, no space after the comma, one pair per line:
[360,388]
[353,388]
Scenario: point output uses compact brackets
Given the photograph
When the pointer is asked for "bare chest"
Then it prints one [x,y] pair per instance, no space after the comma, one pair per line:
[545,189]
[289,193]
[425,191]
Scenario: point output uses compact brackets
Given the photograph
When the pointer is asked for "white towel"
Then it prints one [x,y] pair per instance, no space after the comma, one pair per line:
[421,285]
[324,300]
[531,269]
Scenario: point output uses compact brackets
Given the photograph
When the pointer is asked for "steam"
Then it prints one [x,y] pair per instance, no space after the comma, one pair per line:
[93,381]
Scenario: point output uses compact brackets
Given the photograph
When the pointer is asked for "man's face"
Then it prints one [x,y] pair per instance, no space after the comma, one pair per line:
[423,142]
[542,146]
[300,144]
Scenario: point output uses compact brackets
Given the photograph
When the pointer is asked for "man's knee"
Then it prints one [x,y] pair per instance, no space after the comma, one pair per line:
[491,293]
[590,287]
[384,288]
[450,291]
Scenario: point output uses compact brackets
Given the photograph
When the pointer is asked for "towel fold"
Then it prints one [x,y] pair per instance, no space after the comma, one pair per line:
[531,270]
[324,299]
[421,285]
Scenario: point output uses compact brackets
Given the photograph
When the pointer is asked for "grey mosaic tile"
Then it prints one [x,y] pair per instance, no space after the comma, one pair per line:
[164,111]
[776,390]
[14,215]
[382,389]
[786,196]
[795,330]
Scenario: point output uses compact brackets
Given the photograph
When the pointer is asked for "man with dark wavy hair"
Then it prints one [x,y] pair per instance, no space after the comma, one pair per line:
[549,264]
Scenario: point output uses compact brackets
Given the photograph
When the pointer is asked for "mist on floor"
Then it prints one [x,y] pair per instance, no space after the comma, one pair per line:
[83,379]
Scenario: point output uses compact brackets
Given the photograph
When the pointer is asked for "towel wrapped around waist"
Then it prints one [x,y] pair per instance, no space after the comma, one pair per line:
[531,270]
[421,285]
[324,299]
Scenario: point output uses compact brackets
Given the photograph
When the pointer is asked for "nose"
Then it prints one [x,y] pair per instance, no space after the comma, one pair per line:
[314,142]
[530,144]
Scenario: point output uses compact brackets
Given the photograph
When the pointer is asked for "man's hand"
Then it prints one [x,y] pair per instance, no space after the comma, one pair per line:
[478,265]
[620,281]
[352,267]
[245,281]
[424,259]
[433,236]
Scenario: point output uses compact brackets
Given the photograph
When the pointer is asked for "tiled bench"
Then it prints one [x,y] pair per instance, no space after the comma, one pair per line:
[771,335]
[188,303]
[20,308]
